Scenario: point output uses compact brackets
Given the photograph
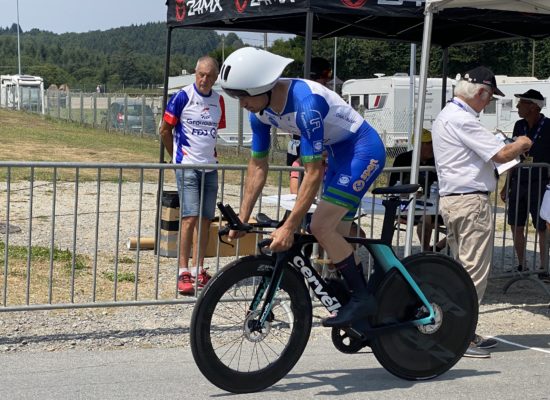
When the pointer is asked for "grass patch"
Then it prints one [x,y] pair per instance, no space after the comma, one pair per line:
[63,258]
[122,276]
[124,260]
[57,283]
[58,140]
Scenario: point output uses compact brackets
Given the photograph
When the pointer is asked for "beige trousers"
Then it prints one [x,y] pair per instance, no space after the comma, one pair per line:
[469,221]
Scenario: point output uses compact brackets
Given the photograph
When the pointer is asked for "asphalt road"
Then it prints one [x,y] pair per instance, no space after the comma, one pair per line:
[515,371]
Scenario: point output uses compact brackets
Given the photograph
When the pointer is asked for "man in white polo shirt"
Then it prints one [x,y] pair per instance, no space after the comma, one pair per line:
[465,153]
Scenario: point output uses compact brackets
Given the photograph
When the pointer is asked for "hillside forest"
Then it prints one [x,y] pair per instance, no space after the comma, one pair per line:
[134,56]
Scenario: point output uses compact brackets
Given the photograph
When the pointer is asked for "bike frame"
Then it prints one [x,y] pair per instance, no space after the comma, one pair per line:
[384,258]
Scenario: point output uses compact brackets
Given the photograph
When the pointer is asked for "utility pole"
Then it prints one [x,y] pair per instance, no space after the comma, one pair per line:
[18,43]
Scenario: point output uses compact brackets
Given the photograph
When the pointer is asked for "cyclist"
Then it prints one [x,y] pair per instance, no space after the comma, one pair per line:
[356,156]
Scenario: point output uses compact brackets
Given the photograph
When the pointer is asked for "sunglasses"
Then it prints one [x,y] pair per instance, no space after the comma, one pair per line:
[237,93]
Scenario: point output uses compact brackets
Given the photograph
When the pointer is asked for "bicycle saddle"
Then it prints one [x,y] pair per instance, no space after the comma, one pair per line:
[264,220]
[397,189]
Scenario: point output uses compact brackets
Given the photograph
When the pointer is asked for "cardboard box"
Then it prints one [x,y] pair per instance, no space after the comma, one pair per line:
[245,245]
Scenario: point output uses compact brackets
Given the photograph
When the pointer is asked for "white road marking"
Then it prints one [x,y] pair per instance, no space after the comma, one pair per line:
[522,346]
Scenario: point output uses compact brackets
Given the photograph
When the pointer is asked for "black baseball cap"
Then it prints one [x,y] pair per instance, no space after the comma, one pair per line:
[484,76]
[532,95]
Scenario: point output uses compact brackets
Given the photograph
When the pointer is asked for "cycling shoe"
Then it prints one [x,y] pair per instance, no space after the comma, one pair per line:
[359,307]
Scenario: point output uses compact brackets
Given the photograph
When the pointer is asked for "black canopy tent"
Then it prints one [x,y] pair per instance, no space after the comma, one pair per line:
[396,20]
[400,20]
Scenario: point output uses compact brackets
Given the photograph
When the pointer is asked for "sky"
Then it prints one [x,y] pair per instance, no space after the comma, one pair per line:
[61,16]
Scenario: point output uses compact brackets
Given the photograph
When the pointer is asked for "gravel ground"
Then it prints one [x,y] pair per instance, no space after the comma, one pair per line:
[523,310]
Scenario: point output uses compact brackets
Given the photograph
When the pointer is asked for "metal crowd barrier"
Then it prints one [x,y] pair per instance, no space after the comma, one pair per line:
[75,235]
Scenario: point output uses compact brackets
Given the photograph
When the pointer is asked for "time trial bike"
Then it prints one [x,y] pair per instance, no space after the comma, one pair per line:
[253,319]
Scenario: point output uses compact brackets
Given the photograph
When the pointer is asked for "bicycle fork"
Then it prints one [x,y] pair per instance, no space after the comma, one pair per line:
[270,285]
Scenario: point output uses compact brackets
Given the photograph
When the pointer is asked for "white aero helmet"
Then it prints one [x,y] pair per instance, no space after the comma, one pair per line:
[250,72]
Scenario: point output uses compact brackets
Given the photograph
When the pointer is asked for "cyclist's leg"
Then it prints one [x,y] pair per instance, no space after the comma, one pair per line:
[324,226]
[349,176]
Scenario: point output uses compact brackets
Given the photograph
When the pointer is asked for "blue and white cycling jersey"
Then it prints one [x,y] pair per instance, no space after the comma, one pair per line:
[196,119]
[317,114]
[356,154]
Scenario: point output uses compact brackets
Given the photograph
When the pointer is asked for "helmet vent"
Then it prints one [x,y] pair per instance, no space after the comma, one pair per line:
[225,72]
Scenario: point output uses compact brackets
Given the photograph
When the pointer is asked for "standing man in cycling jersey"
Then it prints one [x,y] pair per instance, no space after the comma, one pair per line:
[189,132]
[324,121]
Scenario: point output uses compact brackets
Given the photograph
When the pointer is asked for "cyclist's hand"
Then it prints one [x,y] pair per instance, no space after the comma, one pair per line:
[236,234]
[282,239]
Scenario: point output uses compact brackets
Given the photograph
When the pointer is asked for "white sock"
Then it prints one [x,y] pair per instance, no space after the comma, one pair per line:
[182,270]
[194,271]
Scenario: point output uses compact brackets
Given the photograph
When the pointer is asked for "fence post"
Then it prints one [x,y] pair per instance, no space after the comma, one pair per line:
[142,114]
[58,104]
[108,114]
[94,98]
[125,112]
[81,108]
[69,106]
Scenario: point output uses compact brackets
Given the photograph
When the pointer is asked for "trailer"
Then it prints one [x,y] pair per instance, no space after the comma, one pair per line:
[502,113]
[385,103]
[22,92]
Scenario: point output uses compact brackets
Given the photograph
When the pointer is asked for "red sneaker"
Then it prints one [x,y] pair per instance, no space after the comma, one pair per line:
[185,284]
[203,277]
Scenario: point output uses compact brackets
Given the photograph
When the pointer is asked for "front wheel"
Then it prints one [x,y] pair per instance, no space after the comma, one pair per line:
[230,348]
[425,352]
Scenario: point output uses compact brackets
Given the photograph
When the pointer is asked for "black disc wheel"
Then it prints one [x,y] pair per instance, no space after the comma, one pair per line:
[424,352]
[231,348]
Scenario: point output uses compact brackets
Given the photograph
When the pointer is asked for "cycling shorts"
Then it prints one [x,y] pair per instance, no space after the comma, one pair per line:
[353,165]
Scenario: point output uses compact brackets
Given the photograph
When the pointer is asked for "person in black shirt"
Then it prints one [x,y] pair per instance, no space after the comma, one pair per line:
[424,226]
[525,188]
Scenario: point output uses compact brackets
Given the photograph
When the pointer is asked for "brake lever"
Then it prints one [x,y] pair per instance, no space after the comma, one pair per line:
[224,232]
[263,245]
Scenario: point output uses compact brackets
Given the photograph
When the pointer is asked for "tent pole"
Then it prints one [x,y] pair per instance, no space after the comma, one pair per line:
[418,121]
[161,150]
[308,44]
[412,73]
[444,74]
[165,88]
